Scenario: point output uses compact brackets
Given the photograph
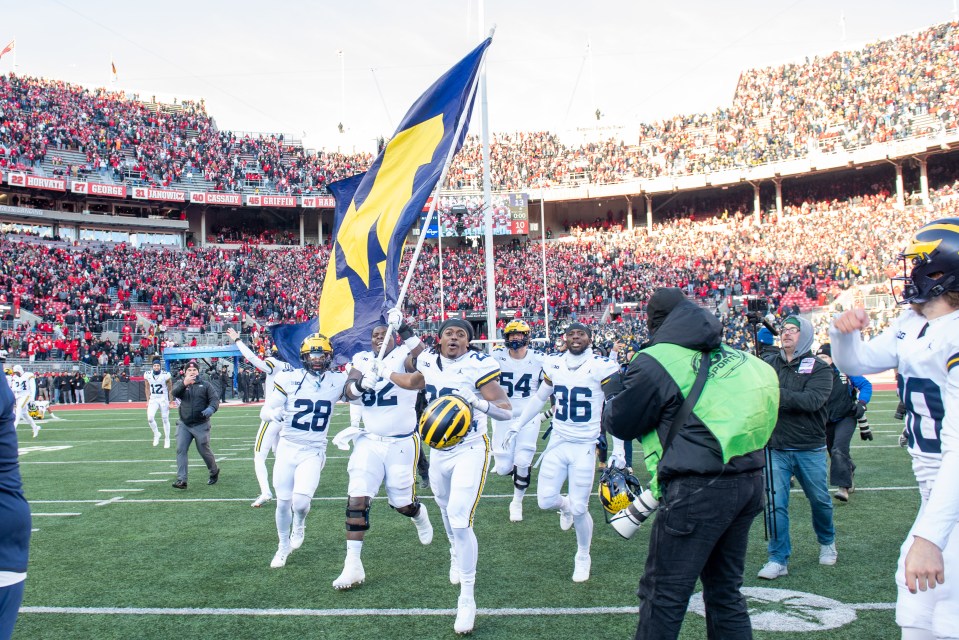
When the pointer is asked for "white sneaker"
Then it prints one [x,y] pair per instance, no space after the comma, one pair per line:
[279,560]
[581,567]
[166,444]
[828,554]
[565,520]
[465,615]
[296,538]
[772,570]
[454,567]
[516,511]
[424,528]
[156,439]
[353,575]
[262,500]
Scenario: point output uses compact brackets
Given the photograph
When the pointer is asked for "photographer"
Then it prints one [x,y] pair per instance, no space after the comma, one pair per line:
[706,459]
[198,402]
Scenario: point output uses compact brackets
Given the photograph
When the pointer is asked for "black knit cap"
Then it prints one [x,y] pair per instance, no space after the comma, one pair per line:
[457,322]
[661,304]
[582,327]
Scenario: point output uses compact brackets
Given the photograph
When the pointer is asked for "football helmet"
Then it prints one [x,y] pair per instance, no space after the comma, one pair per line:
[930,263]
[445,421]
[316,353]
[517,326]
[9,372]
[18,370]
[617,489]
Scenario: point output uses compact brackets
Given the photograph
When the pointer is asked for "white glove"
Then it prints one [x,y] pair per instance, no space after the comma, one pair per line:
[467,394]
[369,382]
[616,460]
[380,369]
[509,437]
[394,317]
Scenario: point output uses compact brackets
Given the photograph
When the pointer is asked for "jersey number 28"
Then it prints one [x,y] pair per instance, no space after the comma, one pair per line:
[320,412]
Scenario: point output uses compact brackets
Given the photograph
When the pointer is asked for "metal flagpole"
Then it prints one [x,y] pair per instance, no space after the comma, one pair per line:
[487,194]
[542,230]
[429,216]
[439,226]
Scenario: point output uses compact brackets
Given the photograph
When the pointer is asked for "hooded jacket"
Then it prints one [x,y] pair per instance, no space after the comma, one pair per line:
[651,396]
[805,383]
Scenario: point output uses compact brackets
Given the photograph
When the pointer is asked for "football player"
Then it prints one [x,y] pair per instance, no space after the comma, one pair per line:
[158,387]
[520,375]
[302,404]
[24,386]
[385,449]
[923,344]
[268,433]
[457,474]
[576,378]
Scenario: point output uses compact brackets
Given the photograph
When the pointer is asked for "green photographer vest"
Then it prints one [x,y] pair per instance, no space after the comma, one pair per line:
[739,403]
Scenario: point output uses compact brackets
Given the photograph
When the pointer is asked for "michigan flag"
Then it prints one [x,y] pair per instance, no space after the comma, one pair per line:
[376,210]
[289,337]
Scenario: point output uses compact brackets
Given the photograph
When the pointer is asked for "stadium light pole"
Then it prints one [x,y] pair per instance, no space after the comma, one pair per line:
[487,195]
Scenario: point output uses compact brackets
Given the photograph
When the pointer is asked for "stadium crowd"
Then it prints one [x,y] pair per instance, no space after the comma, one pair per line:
[887,90]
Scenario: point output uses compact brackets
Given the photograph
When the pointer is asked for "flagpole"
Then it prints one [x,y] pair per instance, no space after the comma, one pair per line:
[542,230]
[429,215]
[487,193]
[439,226]
[16,67]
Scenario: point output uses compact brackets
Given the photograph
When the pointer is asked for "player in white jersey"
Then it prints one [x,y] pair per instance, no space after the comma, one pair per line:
[457,474]
[576,378]
[923,345]
[303,406]
[158,387]
[385,449]
[269,432]
[521,370]
[24,386]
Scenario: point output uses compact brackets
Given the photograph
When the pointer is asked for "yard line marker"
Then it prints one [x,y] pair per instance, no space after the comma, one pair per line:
[110,501]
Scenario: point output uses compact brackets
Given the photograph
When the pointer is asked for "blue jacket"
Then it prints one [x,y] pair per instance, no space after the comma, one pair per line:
[14,510]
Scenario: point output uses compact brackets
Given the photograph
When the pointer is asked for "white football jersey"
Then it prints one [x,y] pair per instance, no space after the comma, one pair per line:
[444,377]
[158,385]
[309,403]
[274,368]
[391,411]
[579,394]
[926,355]
[21,384]
[519,378]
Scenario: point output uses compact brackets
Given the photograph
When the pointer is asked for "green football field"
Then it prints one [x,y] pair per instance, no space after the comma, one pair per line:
[117,553]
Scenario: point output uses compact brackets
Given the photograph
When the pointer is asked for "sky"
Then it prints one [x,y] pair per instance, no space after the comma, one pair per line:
[303,68]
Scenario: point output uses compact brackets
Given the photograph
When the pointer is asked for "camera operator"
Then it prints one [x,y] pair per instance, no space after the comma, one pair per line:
[706,464]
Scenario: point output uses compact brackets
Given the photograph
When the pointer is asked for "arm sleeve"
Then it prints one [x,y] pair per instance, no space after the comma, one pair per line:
[32,389]
[533,407]
[635,411]
[864,387]
[273,407]
[941,514]
[178,389]
[252,358]
[814,394]
[853,356]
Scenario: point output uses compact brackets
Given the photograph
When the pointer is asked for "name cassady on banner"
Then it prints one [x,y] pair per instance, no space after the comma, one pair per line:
[225,199]
[36,182]
[99,189]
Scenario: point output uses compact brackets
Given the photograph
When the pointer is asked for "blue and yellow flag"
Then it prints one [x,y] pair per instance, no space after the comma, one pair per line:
[376,210]
[289,337]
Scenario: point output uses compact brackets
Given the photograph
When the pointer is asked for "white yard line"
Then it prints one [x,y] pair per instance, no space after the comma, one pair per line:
[112,500]
[40,515]
[118,490]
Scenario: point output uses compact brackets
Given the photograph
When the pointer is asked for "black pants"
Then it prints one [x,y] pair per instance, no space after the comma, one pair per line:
[838,437]
[701,531]
[423,464]
[106,396]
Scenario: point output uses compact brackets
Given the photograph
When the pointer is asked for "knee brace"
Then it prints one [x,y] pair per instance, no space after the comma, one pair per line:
[411,510]
[358,514]
[521,482]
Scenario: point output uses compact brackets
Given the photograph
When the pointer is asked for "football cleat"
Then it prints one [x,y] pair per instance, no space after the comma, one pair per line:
[454,567]
[515,511]
[156,440]
[424,528]
[296,538]
[353,575]
[581,566]
[465,615]
[565,519]
[279,560]
[166,443]
[262,500]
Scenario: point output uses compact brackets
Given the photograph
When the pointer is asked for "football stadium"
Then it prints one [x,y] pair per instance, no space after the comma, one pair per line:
[542,357]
